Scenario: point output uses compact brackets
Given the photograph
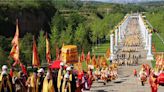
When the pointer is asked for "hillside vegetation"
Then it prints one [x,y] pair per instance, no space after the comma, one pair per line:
[85,24]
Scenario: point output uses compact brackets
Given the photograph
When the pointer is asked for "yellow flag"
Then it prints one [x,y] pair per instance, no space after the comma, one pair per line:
[35,58]
[48,54]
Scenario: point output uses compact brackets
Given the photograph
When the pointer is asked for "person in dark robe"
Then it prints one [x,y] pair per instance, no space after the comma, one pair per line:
[54,76]
[72,79]
[40,79]
[20,83]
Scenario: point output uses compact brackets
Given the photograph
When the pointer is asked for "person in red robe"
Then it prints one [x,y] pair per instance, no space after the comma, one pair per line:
[135,72]
[153,83]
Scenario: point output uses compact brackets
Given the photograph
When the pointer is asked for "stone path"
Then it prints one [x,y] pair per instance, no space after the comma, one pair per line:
[126,82]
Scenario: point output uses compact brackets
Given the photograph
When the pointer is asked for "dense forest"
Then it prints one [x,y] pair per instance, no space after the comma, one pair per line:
[84,24]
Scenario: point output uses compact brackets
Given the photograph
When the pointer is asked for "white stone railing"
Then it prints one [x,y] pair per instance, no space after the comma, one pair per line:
[119,34]
[147,37]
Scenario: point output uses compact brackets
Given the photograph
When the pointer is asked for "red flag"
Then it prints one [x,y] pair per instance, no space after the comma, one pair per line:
[88,58]
[48,54]
[23,69]
[11,72]
[14,53]
[82,58]
[108,53]
[94,61]
[35,58]
[99,61]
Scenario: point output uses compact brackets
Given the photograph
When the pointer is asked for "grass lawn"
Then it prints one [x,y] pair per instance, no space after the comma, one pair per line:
[158,43]
[100,49]
[97,50]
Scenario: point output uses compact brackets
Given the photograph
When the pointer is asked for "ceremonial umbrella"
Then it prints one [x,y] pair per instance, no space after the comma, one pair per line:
[160,79]
[55,64]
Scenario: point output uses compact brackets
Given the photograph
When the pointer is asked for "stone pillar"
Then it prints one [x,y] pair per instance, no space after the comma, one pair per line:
[111,46]
[149,54]
[119,34]
[146,39]
[144,34]
[116,37]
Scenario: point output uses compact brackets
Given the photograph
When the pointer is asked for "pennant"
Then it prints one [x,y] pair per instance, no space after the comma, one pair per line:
[88,58]
[11,72]
[14,53]
[23,69]
[108,53]
[99,61]
[35,58]
[94,61]
[48,54]
[82,58]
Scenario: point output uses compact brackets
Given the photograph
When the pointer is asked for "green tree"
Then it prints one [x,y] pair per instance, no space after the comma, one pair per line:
[3,56]
[81,37]
[26,49]
[54,37]
[68,34]
[96,30]
[59,22]
[42,47]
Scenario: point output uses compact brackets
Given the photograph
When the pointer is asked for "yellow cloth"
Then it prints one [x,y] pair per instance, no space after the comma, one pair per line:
[59,78]
[70,77]
[1,77]
[64,85]
[33,83]
[48,86]
[8,83]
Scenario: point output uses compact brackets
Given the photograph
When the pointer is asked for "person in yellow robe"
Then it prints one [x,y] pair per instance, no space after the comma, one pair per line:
[66,86]
[5,84]
[32,83]
[4,69]
[48,83]
[61,73]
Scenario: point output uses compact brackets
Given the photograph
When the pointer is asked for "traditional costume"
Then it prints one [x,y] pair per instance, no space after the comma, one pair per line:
[61,73]
[5,84]
[66,86]
[40,79]
[48,84]
[135,72]
[143,76]
[32,83]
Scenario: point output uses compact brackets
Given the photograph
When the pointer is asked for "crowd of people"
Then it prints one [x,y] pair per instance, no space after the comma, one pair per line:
[155,76]
[60,80]
[64,79]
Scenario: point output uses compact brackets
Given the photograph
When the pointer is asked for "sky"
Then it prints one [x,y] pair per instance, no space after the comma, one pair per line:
[122,0]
